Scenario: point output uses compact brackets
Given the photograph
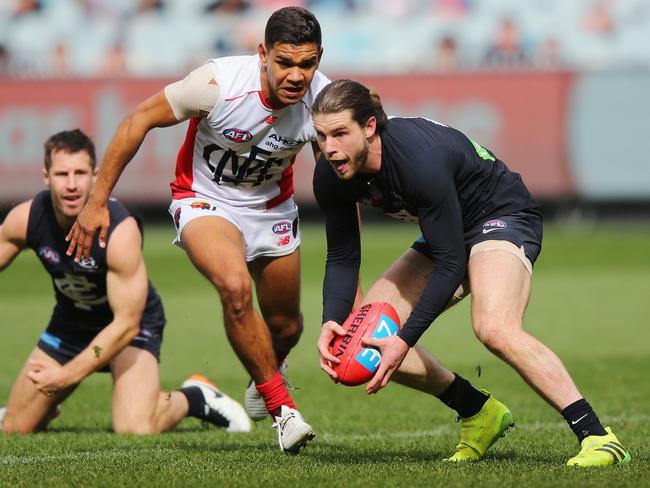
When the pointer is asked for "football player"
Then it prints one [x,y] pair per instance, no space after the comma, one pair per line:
[478,221]
[107,317]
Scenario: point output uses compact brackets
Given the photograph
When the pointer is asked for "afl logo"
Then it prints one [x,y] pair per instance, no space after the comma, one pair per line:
[88,264]
[282,227]
[49,255]
[237,135]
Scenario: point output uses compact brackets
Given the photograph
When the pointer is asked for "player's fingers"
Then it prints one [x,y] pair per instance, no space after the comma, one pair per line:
[328,356]
[375,381]
[339,330]
[78,245]
[386,379]
[72,232]
[103,233]
[369,341]
[72,237]
[87,246]
[330,372]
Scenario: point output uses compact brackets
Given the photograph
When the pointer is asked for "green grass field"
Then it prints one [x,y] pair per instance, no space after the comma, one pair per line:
[590,303]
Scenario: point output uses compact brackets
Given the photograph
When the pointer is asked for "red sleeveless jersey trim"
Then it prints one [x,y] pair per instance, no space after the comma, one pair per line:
[286,187]
[182,185]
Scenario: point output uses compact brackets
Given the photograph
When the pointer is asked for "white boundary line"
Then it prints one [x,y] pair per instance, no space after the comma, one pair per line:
[443,429]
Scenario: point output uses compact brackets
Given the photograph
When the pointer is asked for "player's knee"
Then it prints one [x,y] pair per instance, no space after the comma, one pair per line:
[18,425]
[286,329]
[136,427]
[495,336]
[236,295]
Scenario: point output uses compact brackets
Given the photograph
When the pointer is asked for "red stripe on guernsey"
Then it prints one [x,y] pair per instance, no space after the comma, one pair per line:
[239,96]
[259,93]
[286,187]
[182,185]
[263,100]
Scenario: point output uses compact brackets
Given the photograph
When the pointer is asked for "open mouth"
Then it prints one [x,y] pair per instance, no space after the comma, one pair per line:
[292,92]
[340,165]
[72,199]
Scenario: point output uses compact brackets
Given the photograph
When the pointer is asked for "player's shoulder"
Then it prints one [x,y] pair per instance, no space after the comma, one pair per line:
[231,69]
[124,242]
[14,226]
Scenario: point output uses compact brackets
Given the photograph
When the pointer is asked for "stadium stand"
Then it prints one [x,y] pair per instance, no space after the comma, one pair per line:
[105,38]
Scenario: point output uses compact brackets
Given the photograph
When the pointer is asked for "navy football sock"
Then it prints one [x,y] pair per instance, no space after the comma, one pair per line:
[195,400]
[461,396]
[583,420]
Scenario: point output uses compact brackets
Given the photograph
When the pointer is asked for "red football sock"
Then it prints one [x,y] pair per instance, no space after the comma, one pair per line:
[275,394]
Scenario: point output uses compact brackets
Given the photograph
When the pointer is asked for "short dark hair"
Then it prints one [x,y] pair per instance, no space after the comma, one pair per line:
[71,142]
[351,95]
[292,25]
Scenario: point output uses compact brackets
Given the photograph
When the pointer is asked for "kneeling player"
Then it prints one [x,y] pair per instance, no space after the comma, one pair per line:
[107,316]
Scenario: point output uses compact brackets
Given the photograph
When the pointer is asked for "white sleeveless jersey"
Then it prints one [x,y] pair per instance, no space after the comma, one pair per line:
[242,152]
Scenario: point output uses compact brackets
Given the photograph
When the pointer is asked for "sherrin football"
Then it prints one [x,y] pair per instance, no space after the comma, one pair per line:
[359,364]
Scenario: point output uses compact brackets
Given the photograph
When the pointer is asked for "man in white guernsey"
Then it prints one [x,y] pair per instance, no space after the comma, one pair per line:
[233,201]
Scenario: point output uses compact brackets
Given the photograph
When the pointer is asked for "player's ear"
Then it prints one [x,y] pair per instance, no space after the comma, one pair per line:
[371,127]
[261,51]
[320,55]
[46,176]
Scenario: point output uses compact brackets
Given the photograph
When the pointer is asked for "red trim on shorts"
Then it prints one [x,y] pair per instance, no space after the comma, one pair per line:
[286,187]
[182,185]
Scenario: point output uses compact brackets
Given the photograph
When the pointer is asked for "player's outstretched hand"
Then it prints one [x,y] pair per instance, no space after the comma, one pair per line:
[92,217]
[48,378]
[328,333]
[393,351]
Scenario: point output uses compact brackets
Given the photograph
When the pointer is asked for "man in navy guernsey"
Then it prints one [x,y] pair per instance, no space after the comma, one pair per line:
[478,221]
[107,315]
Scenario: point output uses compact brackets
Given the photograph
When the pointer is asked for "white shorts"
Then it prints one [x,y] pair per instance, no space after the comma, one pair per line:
[273,232]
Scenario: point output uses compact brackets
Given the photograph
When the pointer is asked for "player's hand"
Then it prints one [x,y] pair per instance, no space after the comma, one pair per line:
[92,217]
[328,333]
[393,351]
[48,378]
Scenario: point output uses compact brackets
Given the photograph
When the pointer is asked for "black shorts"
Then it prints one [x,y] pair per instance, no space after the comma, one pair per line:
[63,348]
[523,229]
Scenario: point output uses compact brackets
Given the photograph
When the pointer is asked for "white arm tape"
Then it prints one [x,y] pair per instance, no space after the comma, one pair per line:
[197,92]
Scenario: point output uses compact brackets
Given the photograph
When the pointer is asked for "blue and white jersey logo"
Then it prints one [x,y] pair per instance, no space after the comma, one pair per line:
[369,357]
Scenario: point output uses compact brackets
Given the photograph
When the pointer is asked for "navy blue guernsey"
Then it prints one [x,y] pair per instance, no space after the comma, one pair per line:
[82,307]
[431,174]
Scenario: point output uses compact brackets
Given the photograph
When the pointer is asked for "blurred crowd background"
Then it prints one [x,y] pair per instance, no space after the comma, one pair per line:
[145,38]
[558,89]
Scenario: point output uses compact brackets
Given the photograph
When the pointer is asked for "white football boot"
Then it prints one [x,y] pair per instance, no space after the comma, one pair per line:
[220,409]
[3,412]
[293,431]
[255,406]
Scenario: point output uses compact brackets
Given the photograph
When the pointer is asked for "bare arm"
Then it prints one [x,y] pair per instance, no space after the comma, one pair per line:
[13,233]
[127,284]
[153,112]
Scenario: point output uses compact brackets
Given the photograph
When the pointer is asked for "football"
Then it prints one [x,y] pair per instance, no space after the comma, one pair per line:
[359,364]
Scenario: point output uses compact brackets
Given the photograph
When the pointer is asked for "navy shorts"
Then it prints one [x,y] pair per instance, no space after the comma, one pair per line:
[523,229]
[63,347]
